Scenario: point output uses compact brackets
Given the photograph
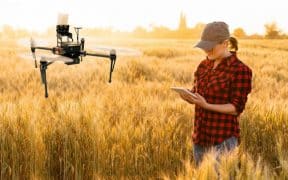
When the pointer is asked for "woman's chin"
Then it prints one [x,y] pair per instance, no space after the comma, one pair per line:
[211,58]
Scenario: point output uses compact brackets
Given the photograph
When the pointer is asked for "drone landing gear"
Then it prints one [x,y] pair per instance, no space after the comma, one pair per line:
[113,60]
[43,67]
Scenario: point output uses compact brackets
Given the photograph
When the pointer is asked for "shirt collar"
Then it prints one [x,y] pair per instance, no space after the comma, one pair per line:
[227,60]
[230,59]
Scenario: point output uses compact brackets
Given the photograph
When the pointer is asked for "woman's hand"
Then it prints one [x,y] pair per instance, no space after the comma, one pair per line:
[199,100]
[186,98]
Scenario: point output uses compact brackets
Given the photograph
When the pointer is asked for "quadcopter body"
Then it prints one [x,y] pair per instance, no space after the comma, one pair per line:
[68,51]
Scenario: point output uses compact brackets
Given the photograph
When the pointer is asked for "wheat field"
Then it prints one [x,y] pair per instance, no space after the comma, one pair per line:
[135,127]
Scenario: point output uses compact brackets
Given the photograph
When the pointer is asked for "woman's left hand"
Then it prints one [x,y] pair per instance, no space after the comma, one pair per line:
[199,100]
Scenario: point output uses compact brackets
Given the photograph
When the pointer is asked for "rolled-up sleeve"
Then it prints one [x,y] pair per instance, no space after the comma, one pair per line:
[193,90]
[200,67]
[240,88]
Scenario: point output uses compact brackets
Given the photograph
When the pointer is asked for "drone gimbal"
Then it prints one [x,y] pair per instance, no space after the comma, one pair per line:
[69,51]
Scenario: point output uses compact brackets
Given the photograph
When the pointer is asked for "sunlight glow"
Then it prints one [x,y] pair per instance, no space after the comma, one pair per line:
[125,15]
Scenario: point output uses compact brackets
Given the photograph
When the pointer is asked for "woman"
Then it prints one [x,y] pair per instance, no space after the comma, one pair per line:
[222,83]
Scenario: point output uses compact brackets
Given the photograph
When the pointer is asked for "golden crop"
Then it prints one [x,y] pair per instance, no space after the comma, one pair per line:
[135,127]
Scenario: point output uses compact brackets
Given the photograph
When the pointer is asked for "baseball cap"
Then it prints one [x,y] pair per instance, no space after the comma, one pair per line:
[213,33]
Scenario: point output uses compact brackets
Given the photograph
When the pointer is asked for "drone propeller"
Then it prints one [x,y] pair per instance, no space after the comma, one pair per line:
[121,51]
[32,46]
[46,57]
[53,58]
[31,42]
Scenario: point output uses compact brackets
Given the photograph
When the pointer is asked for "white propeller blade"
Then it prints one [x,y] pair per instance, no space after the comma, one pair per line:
[26,42]
[47,57]
[119,50]
[53,58]
[32,42]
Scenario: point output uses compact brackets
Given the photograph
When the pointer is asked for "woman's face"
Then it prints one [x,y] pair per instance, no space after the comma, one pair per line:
[217,51]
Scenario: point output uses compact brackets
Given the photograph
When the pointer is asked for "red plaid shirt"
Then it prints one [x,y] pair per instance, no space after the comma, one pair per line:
[231,83]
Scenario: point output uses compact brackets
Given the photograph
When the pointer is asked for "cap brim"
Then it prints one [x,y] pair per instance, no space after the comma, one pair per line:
[206,45]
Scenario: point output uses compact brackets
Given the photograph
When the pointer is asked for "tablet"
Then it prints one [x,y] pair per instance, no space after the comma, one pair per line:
[183,90]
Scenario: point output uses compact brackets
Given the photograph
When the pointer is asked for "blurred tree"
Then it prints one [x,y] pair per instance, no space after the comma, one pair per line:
[272,30]
[197,30]
[8,31]
[161,32]
[183,30]
[182,23]
[255,36]
[20,33]
[140,32]
[239,33]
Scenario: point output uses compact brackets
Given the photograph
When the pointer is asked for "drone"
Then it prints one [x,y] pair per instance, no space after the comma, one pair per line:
[68,50]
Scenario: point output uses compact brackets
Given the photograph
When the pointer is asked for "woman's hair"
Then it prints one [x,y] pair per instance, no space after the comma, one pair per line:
[233,43]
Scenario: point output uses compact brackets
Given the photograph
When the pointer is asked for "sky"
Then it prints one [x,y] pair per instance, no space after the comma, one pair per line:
[125,15]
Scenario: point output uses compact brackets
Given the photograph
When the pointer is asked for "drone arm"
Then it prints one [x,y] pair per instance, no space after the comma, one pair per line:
[97,55]
[43,48]
[112,58]
[33,50]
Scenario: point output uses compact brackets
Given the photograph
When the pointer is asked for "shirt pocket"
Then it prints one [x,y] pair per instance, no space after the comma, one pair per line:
[201,83]
[220,84]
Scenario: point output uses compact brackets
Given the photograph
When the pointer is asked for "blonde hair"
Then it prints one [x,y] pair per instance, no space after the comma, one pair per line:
[233,43]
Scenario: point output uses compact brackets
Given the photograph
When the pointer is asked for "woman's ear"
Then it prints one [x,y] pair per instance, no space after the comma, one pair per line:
[226,43]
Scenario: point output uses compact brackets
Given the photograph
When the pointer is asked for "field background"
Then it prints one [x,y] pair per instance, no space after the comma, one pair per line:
[134,127]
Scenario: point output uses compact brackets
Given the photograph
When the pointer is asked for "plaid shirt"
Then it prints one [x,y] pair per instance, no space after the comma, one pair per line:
[229,82]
